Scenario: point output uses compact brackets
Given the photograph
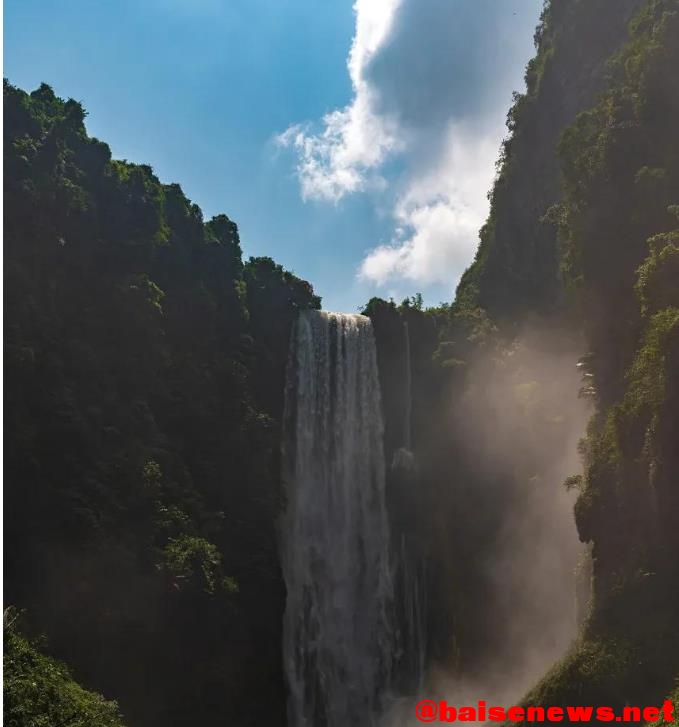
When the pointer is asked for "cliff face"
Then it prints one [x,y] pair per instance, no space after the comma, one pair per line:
[606,256]
[618,223]
[578,260]
[145,363]
[516,271]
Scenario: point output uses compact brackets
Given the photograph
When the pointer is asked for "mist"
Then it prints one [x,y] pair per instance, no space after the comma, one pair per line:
[519,420]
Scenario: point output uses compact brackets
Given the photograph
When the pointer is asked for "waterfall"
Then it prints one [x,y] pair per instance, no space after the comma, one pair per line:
[338,642]
[410,572]
[409,387]
[403,457]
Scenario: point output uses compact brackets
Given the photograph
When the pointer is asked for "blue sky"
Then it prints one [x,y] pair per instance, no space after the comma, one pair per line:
[354,143]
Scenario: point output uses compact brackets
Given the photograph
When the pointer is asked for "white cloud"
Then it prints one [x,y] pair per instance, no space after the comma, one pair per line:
[431,81]
[355,140]
[439,214]
[340,159]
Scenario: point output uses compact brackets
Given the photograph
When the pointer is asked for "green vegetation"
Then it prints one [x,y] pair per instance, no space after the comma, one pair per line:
[40,691]
[597,671]
[582,236]
[516,273]
[620,162]
[145,364]
[674,698]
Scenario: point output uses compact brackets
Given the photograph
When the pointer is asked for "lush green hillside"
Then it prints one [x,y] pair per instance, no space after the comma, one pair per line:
[516,270]
[144,365]
[618,223]
[605,256]
[579,254]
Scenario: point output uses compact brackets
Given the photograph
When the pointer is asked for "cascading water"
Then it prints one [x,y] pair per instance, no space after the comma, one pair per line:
[403,457]
[338,641]
[410,572]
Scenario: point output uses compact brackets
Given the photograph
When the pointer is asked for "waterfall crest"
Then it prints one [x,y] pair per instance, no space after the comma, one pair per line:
[338,640]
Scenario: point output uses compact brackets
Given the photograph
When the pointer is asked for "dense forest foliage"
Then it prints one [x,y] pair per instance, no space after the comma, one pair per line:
[145,363]
[619,226]
[40,691]
[579,254]
[516,272]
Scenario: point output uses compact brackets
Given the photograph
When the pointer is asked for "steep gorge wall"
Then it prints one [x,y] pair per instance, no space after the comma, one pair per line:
[516,271]
[146,363]
[563,271]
